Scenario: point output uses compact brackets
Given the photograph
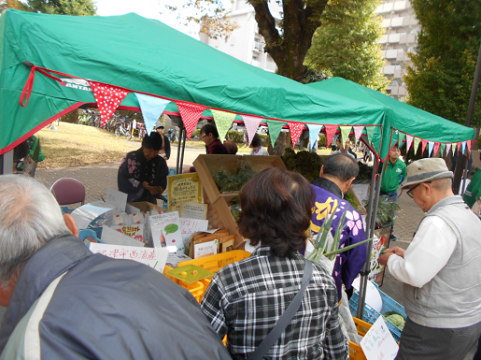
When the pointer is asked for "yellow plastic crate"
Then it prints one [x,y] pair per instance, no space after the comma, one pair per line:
[197,288]
[355,351]
[214,263]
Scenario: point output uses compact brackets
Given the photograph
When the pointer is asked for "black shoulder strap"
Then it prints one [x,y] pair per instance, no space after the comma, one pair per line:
[285,319]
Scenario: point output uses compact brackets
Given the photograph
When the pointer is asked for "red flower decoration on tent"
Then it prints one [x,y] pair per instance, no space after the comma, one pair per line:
[435,149]
[330,132]
[190,114]
[296,131]
[423,145]
[108,99]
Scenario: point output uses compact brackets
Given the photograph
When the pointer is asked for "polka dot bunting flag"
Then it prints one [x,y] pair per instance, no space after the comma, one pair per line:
[190,114]
[296,131]
[108,99]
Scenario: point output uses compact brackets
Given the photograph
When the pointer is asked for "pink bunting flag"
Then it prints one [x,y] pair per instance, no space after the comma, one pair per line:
[330,132]
[423,145]
[190,114]
[436,148]
[358,132]
[108,99]
[296,131]
[458,147]
[409,141]
[469,143]
[251,123]
[448,148]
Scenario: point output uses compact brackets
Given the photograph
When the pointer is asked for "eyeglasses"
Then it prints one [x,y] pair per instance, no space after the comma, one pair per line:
[410,192]
[203,136]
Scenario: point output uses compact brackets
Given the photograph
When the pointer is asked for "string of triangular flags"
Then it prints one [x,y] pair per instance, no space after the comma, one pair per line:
[109,98]
[434,147]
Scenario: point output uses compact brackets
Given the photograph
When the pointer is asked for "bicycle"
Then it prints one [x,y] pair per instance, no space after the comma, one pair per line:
[121,130]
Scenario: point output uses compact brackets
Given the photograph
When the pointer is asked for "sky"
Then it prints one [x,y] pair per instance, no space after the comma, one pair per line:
[152,9]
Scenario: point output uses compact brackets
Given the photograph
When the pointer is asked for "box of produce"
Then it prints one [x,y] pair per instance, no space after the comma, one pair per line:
[222,177]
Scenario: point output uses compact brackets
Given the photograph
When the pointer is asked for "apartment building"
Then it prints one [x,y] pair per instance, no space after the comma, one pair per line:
[400,38]
[245,43]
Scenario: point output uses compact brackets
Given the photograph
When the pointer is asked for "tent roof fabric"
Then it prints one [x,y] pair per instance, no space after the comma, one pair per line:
[143,55]
[398,115]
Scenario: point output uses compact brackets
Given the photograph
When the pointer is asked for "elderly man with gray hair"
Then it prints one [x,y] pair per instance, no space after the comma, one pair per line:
[66,303]
[441,269]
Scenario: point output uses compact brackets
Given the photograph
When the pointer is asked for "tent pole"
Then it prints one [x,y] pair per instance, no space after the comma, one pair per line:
[373,204]
[184,137]
[465,175]
[177,171]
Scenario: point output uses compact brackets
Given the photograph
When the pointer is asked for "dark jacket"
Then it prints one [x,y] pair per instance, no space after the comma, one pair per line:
[108,309]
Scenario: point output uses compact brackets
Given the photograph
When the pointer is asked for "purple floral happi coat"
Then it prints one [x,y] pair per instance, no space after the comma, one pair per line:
[348,264]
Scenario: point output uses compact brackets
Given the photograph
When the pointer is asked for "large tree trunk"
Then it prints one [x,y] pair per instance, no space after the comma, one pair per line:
[282,142]
[301,19]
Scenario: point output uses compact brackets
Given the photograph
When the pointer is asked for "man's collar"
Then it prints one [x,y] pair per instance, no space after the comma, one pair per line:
[329,186]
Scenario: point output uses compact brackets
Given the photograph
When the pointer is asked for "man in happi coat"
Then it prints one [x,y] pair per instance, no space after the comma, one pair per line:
[335,178]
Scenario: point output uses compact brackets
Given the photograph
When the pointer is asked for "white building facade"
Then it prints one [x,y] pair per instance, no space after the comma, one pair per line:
[245,43]
[400,37]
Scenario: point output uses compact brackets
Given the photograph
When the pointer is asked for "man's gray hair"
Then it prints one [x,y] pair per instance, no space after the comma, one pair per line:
[29,217]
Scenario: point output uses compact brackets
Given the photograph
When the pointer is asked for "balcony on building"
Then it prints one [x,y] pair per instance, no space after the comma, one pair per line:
[407,39]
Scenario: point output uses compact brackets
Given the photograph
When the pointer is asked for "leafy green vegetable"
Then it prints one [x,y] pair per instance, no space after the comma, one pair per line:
[306,163]
[386,211]
[351,200]
[397,320]
[228,182]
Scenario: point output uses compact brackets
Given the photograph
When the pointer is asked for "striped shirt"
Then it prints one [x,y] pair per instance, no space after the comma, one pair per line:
[246,299]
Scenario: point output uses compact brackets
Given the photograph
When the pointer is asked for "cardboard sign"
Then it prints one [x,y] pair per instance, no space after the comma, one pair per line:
[116,198]
[154,258]
[184,188]
[174,258]
[191,226]
[193,211]
[378,343]
[165,229]
[205,249]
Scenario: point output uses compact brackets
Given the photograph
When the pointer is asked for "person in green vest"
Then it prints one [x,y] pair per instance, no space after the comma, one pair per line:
[473,192]
[394,175]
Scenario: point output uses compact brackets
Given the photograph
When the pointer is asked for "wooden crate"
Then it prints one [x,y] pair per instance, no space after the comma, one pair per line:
[218,213]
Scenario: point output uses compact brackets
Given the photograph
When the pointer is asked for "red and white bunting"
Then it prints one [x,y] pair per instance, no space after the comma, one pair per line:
[469,143]
[423,145]
[358,132]
[435,149]
[190,114]
[251,123]
[409,141]
[296,131]
[330,132]
[108,99]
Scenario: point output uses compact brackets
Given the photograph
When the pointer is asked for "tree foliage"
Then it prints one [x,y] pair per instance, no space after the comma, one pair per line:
[345,45]
[67,7]
[287,40]
[12,4]
[441,77]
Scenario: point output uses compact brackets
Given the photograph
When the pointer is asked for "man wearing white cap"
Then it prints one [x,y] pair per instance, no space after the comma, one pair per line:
[441,269]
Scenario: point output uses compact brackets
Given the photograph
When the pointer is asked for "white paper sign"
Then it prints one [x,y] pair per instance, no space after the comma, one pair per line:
[113,237]
[191,226]
[378,343]
[135,232]
[166,231]
[373,297]
[193,211]
[116,198]
[205,249]
[85,214]
[174,259]
[154,258]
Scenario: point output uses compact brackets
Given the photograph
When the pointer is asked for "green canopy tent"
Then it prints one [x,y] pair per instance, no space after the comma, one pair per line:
[400,119]
[48,61]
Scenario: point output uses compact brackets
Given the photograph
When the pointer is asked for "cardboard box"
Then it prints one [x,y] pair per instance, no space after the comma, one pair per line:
[218,214]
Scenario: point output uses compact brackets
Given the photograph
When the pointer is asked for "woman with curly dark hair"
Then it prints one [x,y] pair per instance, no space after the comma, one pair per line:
[246,300]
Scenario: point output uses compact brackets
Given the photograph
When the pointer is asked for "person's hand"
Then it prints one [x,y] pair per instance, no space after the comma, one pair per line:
[186,171]
[153,190]
[398,251]
[166,158]
[383,259]
[145,185]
